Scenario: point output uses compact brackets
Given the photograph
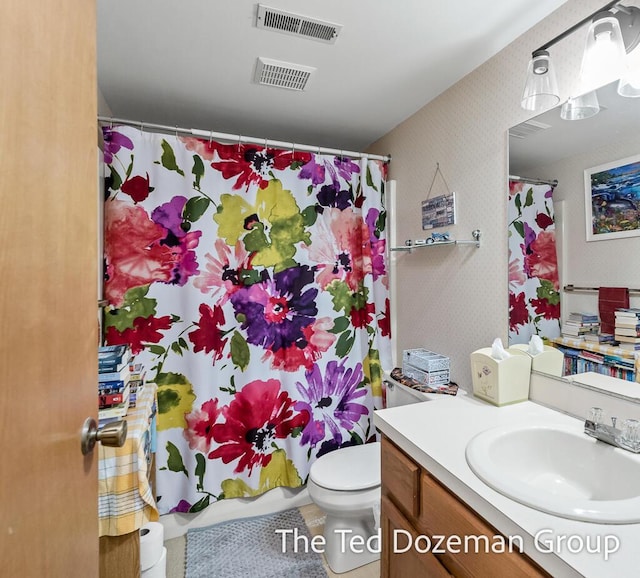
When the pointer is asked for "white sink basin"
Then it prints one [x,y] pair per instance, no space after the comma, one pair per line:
[559,470]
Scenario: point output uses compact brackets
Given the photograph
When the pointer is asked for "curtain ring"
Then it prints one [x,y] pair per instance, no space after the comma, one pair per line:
[141,126]
[265,144]
[111,123]
[239,141]
[210,136]
[293,149]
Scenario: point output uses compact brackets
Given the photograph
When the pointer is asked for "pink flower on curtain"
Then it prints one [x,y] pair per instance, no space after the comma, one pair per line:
[133,253]
[318,338]
[202,147]
[516,275]
[259,415]
[199,430]
[540,260]
[340,248]
[331,402]
[145,330]
[138,188]
[224,272]
[209,337]
[251,164]
[518,313]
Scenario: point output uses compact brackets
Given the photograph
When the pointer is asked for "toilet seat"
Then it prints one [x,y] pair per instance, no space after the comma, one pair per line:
[348,469]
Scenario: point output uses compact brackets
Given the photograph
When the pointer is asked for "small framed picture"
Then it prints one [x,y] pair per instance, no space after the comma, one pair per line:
[612,200]
[439,211]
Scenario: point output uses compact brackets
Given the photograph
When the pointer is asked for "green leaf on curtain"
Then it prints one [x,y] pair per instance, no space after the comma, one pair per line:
[529,200]
[372,369]
[342,296]
[518,226]
[345,343]
[250,276]
[194,208]
[116,180]
[548,291]
[355,437]
[518,203]
[309,215]
[175,400]
[156,349]
[197,171]
[239,351]
[370,179]
[130,167]
[168,159]
[135,305]
[340,324]
[174,460]
[201,468]
[175,347]
[200,505]
[183,343]
[381,223]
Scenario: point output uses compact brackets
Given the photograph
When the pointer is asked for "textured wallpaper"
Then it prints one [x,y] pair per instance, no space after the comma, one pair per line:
[454,299]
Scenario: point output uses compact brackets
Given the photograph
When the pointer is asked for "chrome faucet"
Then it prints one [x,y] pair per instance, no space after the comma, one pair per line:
[626,438]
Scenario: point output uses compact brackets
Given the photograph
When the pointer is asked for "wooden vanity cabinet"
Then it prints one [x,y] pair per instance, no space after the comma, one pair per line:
[416,504]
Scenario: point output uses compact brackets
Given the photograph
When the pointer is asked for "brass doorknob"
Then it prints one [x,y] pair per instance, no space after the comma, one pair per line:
[112,434]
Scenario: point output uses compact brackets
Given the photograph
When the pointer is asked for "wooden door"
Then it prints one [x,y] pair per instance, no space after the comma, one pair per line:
[48,310]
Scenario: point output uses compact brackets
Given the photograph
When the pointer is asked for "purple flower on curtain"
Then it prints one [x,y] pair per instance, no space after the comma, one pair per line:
[346,167]
[182,507]
[378,246]
[199,430]
[331,401]
[113,142]
[337,167]
[181,243]
[332,196]
[313,171]
[275,312]
[259,415]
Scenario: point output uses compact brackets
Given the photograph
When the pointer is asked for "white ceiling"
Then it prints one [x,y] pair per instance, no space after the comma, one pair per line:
[191,63]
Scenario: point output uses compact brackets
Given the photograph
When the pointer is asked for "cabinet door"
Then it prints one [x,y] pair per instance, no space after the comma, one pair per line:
[443,514]
[397,535]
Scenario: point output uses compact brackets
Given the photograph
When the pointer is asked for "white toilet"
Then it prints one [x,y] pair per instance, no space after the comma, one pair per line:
[345,484]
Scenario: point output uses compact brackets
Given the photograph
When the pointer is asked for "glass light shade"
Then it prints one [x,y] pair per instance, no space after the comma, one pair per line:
[604,58]
[580,107]
[629,84]
[541,88]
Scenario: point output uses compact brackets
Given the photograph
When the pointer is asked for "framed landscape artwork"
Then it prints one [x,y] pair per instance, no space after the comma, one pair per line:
[612,199]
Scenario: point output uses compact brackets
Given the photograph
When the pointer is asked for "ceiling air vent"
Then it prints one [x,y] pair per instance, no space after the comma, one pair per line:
[298,25]
[282,74]
[527,128]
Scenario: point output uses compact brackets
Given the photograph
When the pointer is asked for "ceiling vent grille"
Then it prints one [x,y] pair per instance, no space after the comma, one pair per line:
[282,74]
[298,25]
[527,128]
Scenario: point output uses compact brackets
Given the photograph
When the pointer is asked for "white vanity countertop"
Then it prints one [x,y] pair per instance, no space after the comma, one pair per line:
[435,435]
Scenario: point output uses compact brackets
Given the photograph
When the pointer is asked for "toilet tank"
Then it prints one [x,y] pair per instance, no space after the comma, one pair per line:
[398,394]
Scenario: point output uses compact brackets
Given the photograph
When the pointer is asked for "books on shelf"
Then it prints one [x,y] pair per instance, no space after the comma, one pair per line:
[627,313]
[583,317]
[114,412]
[629,346]
[627,331]
[123,375]
[599,337]
[112,399]
[113,358]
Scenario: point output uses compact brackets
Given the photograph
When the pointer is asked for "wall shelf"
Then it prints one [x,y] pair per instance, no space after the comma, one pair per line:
[410,247]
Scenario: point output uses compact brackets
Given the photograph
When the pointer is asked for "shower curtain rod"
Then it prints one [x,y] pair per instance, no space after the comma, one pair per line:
[236,138]
[553,183]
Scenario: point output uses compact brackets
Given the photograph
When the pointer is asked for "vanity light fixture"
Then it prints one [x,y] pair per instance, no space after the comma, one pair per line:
[611,36]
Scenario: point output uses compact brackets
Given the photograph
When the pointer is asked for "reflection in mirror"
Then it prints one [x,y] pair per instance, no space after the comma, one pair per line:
[542,151]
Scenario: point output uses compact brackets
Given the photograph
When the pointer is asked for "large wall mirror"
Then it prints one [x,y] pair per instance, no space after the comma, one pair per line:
[549,148]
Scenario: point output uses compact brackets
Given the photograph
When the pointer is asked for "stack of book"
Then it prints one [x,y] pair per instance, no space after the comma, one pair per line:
[114,375]
[627,328]
[578,325]
[136,382]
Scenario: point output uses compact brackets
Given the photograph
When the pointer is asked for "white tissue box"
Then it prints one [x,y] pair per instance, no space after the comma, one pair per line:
[550,360]
[425,360]
[501,381]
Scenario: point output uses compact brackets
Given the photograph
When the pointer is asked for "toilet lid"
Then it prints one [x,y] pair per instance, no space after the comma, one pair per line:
[350,468]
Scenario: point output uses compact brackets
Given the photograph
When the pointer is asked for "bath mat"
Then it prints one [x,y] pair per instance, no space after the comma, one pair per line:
[253,548]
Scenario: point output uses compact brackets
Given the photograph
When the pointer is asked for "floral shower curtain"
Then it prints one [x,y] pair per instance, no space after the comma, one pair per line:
[251,283]
[534,298]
